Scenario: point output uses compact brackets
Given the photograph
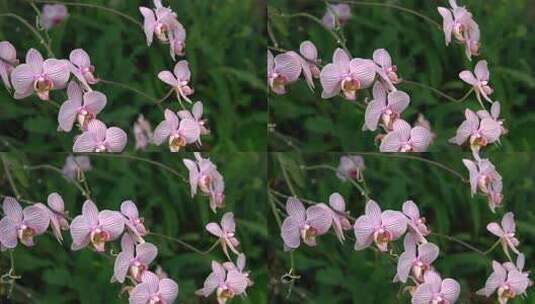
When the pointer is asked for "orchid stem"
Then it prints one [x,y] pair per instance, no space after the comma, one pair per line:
[363,191]
[5,163]
[185,244]
[463,243]
[32,29]
[58,170]
[286,177]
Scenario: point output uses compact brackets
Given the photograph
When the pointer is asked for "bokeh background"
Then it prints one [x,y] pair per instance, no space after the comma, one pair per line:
[335,273]
[52,273]
[419,51]
[224,46]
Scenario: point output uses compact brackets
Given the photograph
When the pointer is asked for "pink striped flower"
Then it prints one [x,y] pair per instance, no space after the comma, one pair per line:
[457,21]
[483,176]
[507,282]
[386,69]
[203,175]
[80,108]
[58,215]
[226,285]
[416,260]
[506,232]
[8,61]
[142,133]
[336,15]
[133,259]
[346,76]
[416,224]
[479,80]
[421,121]
[196,115]
[282,70]
[403,138]
[226,233]
[179,80]
[52,15]
[95,228]
[478,132]
[81,67]
[308,50]
[153,290]
[178,132]
[134,223]
[22,225]
[240,267]
[75,165]
[39,76]
[99,138]
[350,167]
[384,109]
[161,21]
[378,227]
[304,224]
[493,114]
[339,214]
[434,290]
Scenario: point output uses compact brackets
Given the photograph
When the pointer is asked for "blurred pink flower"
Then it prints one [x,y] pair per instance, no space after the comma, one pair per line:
[416,259]
[479,80]
[519,266]
[304,224]
[133,259]
[384,109]
[350,167]
[96,228]
[434,290]
[483,176]
[177,41]
[161,21]
[378,227]
[74,165]
[196,115]
[403,138]
[133,222]
[340,221]
[336,15]
[494,114]
[142,132]
[421,121]
[80,108]
[153,290]
[240,267]
[52,15]
[81,67]
[178,132]
[226,285]
[226,233]
[58,215]
[507,283]
[179,80]
[39,76]
[308,50]
[506,232]
[22,225]
[8,61]
[417,225]
[161,273]
[282,70]
[386,69]
[203,174]
[458,22]
[478,133]
[346,75]
[99,138]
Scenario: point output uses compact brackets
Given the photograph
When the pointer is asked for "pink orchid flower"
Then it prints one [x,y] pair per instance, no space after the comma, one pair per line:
[8,61]
[416,259]
[483,176]
[340,221]
[99,138]
[96,228]
[39,76]
[75,165]
[346,75]
[226,285]
[153,290]
[133,259]
[350,167]
[178,132]
[507,283]
[196,115]
[304,224]
[336,15]
[308,50]
[378,227]
[493,114]
[240,267]
[134,223]
[179,81]
[479,80]
[386,69]
[177,41]
[142,133]
[383,108]
[519,266]
[52,15]
[417,225]
[161,21]
[403,138]
[421,121]
[282,70]
[478,133]
[22,225]
[434,290]
[458,22]
[81,67]
[203,174]
[80,108]
[506,232]
[226,233]
[58,215]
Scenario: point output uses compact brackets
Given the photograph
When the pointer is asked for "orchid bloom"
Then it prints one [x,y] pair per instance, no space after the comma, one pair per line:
[22,224]
[240,267]
[350,167]
[226,285]
[340,221]
[52,15]
[336,15]
[493,114]
[133,259]
[99,138]
[385,68]
[153,290]
[483,176]
[161,21]
[308,50]
[39,76]
[346,75]
[421,121]
[203,174]
[282,70]
[519,266]
[479,133]
[142,133]
[416,259]
[226,233]
[304,224]
[58,215]
[81,67]
[458,22]
[95,228]
[75,165]
[196,115]
[378,227]
[434,290]
[179,80]
[416,224]
[508,283]
[506,232]
[479,80]
[403,138]
[80,107]
[134,223]
[384,109]
[8,61]
[178,132]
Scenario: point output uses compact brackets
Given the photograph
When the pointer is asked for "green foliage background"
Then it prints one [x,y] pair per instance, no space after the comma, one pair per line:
[52,273]
[419,51]
[224,47]
[335,273]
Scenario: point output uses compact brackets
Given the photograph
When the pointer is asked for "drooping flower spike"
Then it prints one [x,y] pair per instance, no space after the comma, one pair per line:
[154,290]
[350,167]
[81,68]
[384,109]
[133,259]
[226,285]
[75,165]
[507,283]
[435,290]
[479,80]
[133,222]
[39,76]
[479,133]
[403,138]
[99,138]
[282,70]
[80,107]
[226,232]
[179,80]
[8,61]
[416,224]
[483,176]
[22,224]
[506,233]
[52,15]
[336,15]
[203,175]
[58,215]
[416,260]
[178,132]
[340,221]
[142,133]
